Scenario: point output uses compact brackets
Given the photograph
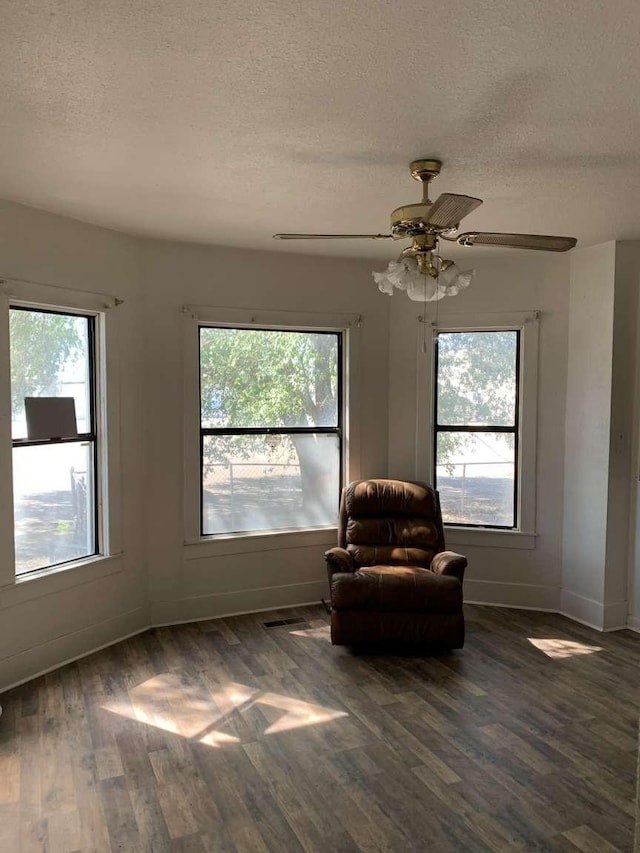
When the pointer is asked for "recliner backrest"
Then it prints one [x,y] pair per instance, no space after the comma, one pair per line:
[390,522]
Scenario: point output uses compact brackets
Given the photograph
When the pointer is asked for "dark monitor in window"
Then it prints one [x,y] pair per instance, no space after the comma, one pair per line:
[50,417]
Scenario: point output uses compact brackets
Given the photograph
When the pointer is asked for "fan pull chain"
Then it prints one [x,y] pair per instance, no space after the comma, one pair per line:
[435,337]
[437,300]
[424,315]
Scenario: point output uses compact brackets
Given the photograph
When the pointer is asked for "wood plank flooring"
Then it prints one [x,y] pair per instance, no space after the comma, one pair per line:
[231,737]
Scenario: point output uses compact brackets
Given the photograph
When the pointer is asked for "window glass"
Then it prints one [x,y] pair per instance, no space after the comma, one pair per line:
[475,474]
[53,499]
[260,378]
[477,378]
[49,358]
[271,436]
[54,481]
[269,482]
[477,427]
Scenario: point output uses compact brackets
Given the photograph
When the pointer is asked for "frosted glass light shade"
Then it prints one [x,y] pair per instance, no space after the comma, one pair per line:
[404,275]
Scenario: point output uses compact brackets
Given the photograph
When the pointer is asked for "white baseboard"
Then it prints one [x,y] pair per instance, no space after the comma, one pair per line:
[238,613]
[585,610]
[616,614]
[525,596]
[234,603]
[38,660]
[633,623]
[594,614]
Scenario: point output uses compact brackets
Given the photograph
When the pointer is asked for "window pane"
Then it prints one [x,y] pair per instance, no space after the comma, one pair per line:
[53,504]
[269,482]
[477,378]
[255,378]
[475,477]
[49,358]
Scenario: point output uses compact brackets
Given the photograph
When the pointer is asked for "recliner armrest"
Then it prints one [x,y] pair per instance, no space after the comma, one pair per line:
[449,563]
[339,560]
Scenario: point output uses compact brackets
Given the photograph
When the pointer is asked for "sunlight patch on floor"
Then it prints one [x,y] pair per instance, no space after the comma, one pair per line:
[195,712]
[297,713]
[558,649]
[320,633]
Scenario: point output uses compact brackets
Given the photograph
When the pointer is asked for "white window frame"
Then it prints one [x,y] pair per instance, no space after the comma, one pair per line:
[40,296]
[195,316]
[527,323]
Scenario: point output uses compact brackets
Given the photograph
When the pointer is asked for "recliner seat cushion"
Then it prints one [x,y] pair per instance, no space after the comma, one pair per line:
[396,588]
[390,555]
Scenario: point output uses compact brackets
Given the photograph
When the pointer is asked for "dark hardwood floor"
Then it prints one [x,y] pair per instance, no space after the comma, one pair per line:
[229,736]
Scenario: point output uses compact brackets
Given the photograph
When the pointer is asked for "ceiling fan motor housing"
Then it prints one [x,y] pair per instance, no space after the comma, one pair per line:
[425,170]
[410,220]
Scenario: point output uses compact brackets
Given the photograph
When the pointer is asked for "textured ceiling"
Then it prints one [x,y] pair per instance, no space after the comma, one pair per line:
[223,122]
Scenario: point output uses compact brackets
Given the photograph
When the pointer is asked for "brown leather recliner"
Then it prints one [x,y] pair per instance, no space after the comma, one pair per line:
[390,578]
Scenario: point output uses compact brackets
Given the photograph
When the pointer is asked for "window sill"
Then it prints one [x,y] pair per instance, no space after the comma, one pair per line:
[482,538]
[249,543]
[58,578]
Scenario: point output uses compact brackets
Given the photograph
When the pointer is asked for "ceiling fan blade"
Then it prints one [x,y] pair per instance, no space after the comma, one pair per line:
[449,209]
[332,236]
[542,242]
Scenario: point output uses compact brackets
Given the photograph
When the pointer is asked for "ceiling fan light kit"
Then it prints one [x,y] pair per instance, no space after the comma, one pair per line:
[425,223]
[405,274]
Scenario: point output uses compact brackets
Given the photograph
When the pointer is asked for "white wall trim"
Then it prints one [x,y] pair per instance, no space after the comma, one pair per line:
[520,595]
[615,615]
[611,616]
[258,543]
[347,325]
[585,610]
[221,604]
[527,323]
[7,527]
[633,623]
[107,386]
[59,578]
[480,538]
[40,292]
[239,613]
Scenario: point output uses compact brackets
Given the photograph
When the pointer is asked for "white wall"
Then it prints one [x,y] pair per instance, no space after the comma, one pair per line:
[503,284]
[190,581]
[45,621]
[622,480]
[592,283]
[599,424]
[634,520]
[626,455]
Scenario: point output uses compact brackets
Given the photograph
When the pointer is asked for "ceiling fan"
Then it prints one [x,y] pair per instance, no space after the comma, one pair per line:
[428,221]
